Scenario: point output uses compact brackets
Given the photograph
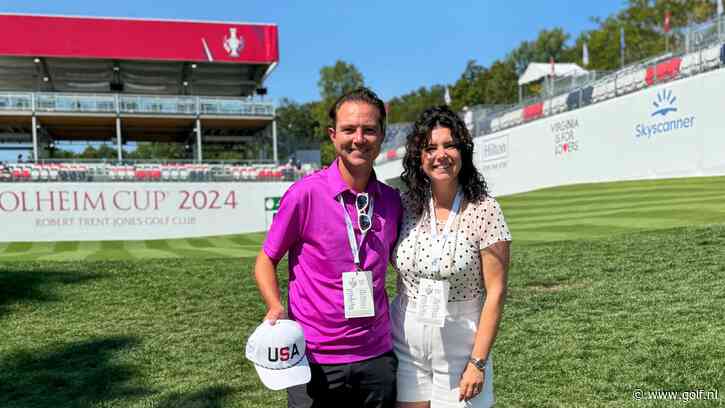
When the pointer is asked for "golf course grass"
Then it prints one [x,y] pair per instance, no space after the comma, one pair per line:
[613,288]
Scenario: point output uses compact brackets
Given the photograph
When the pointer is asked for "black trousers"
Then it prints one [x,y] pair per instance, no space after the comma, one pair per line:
[368,383]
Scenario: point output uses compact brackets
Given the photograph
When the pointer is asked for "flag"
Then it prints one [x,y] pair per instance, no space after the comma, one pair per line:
[551,61]
[447,96]
[585,55]
[667,21]
[621,38]
[719,7]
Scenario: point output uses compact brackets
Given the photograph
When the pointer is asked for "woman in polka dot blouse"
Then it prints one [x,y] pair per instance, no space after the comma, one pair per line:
[452,260]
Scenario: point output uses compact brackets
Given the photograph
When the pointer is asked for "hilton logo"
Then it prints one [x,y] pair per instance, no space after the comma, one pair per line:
[495,148]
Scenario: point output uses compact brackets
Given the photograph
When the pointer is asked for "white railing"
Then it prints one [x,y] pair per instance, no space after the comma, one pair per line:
[16,101]
[133,104]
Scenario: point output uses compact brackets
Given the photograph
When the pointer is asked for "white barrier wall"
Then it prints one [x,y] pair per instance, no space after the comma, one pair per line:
[132,211]
[675,129]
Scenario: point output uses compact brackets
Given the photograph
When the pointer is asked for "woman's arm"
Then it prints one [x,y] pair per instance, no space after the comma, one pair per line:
[494,269]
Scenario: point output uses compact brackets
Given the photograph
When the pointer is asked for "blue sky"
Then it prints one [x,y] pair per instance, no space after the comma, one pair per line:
[399,46]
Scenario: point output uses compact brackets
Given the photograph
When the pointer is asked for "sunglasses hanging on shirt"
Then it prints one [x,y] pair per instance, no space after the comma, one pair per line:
[362,201]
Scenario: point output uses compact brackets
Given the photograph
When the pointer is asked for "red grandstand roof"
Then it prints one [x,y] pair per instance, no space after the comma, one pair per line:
[135,39]
[102,55]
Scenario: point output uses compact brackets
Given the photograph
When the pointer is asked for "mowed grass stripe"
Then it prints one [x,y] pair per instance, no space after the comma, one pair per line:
[672,207]
[18,247]
[635,202]
[66,246]
[140,250]
[247,239]
[84,250]
[593,191]
[654,219]
[111,250]
[535,205]
[586,189]
[181,248]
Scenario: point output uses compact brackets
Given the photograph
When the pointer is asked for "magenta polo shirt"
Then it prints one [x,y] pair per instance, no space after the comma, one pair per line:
[310,225]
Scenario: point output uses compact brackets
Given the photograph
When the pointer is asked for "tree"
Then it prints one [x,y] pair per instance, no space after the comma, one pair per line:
[153,150]
[548,44]
[501,87]
[297,127]
[469,89]
[334,81]
[406,108]
[338,79]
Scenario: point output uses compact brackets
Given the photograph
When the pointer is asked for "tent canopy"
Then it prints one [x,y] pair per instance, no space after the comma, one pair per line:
[537,70]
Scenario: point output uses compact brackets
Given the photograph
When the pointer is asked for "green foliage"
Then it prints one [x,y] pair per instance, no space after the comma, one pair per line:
[406,108]
[549,43]
[155,150]
[338,79]
[297,127]
[485,86]
[103,151]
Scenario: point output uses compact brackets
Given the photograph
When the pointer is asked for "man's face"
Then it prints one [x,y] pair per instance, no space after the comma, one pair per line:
[357,135]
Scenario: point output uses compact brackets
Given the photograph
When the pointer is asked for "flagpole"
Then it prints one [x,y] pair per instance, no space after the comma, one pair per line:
[667,42]
[621,47]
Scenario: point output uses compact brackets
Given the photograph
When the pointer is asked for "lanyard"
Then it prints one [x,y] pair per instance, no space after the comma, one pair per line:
[438,248]
[351,232]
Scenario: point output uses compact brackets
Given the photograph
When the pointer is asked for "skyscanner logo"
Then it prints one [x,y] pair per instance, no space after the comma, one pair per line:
[664,104]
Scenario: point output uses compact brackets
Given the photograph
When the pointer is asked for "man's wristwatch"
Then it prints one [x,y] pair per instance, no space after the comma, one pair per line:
[480,364]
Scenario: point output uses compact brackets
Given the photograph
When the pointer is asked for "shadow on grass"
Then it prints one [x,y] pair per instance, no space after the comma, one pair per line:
[80,374]
[35,285]
[210,397]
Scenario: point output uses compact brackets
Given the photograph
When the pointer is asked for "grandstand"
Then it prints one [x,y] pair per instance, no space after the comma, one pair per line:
[602,109]
[116,81]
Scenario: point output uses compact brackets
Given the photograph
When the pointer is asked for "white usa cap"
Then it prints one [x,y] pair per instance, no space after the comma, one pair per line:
[278,354]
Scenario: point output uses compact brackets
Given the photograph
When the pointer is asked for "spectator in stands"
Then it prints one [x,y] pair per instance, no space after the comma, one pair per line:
[452,261]
[339,225]
[20,158]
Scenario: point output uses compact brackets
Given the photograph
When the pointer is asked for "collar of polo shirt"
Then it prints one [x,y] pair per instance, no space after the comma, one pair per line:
[338,185]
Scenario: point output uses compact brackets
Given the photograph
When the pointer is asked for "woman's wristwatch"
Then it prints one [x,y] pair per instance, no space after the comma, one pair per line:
[480,364]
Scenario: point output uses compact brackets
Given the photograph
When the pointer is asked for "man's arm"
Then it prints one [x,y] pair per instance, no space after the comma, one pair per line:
[265,273]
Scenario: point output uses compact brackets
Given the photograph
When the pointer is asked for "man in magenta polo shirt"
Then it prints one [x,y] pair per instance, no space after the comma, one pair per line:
[339,226]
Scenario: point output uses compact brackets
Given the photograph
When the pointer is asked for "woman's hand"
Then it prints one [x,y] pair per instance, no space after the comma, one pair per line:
[471,383]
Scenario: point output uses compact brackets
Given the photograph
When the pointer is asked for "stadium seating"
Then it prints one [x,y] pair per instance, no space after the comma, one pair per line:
[711,57]
[533,111]
[572,99]
[495,124]
[599,92]
[691,64]
[155,172]
[587,95]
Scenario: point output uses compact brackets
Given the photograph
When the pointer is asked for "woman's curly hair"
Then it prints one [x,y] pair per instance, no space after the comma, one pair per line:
[471,181]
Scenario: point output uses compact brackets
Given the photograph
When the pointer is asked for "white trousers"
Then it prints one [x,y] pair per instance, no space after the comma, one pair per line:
[431,360]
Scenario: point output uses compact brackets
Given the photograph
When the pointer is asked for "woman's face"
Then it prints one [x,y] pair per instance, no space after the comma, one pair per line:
[441,159]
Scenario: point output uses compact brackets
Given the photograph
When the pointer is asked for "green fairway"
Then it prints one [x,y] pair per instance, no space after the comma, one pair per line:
[613,287]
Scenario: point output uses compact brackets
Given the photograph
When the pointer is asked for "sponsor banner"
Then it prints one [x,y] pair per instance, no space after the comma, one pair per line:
[668,130]
[132,211]
[132,39]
